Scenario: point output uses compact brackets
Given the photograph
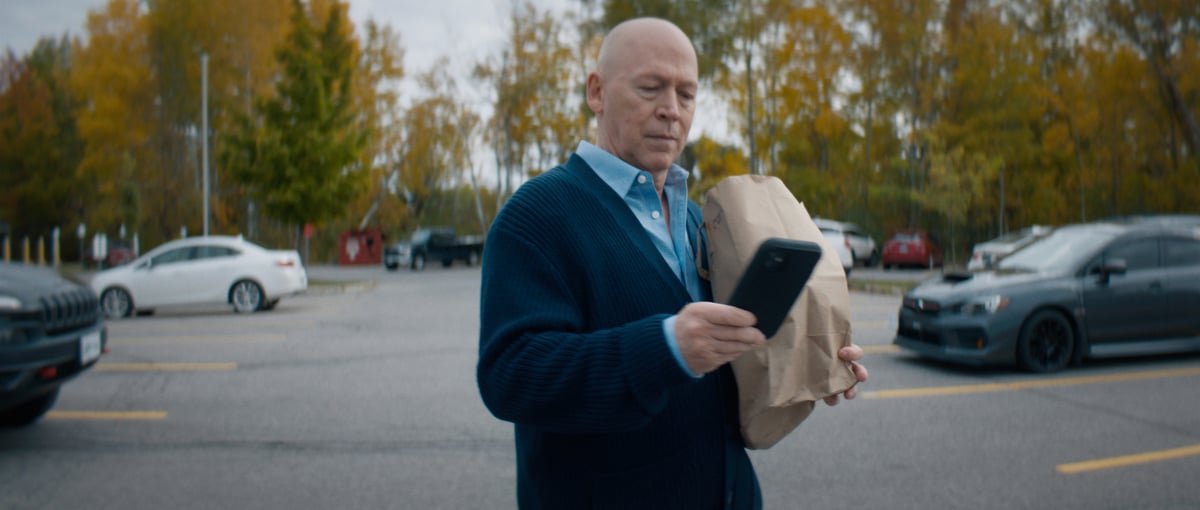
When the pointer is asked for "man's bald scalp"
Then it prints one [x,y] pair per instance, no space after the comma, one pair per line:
[623,38]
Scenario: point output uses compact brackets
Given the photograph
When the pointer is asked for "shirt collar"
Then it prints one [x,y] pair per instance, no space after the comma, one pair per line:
[619,175]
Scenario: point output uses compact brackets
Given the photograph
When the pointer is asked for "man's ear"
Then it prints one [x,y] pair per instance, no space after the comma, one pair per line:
[595,93]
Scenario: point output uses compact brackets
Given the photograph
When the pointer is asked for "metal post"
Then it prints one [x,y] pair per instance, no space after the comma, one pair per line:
[204,131]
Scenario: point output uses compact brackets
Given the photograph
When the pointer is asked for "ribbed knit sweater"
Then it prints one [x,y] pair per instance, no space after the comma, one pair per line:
[572,351]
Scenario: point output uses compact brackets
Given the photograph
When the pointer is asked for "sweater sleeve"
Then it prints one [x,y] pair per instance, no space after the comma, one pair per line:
[540,365]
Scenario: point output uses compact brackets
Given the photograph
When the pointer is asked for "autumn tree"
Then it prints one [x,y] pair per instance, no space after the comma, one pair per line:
[377,100]
[114,82]
[303,162]
[39,147]
[536,93]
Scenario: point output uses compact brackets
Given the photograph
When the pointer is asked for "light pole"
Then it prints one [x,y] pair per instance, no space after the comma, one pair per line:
[204,131]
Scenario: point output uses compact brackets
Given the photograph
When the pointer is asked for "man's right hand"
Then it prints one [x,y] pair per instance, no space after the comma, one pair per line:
[712,334]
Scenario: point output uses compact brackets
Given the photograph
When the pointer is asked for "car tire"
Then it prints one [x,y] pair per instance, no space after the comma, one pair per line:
[1047,342]
[391,267]
[472,258]
[116,303]
[418,262]
[246,297]
[29,412]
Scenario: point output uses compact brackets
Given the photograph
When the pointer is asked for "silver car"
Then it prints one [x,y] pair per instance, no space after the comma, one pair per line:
[862,246]
[985,255]
[1084,291]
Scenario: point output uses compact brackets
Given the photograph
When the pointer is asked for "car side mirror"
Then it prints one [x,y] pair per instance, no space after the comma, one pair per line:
[1111,267]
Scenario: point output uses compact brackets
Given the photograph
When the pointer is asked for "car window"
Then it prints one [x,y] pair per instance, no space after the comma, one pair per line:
[173,256]
[210,252]
[1180,252]
[1138,254]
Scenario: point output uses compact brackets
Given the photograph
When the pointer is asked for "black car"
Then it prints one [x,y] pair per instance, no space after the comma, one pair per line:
[51,330]
[1089,290]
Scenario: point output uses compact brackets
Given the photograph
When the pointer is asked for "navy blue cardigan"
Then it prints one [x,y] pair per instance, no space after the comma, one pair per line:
[571,350]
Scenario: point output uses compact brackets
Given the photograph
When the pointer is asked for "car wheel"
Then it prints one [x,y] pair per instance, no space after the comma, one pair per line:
[246,297]
[29,412]
[1047,342]
[472,258]
[116,303]
[391,267]
[418,262]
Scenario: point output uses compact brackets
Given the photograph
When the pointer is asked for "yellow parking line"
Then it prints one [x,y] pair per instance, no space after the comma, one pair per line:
[172,339]
[879,349]
[876,325]
[106,415]
[152,326]
[1127,460]
[165,367]
[1020,385]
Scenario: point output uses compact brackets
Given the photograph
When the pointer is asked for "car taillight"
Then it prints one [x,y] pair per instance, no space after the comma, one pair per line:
[285,263]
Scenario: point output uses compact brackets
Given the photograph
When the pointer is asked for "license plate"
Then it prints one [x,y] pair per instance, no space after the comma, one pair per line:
[89,348]
[904,248]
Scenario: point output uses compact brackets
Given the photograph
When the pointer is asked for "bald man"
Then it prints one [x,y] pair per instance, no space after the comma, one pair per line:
[598,339]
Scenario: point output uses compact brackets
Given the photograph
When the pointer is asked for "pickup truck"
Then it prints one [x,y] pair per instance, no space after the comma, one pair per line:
[51,330]
[435,243]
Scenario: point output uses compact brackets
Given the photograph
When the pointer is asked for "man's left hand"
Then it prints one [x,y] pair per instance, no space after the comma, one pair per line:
[853,353]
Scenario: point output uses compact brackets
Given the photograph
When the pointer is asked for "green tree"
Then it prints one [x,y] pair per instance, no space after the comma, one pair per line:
[303,163]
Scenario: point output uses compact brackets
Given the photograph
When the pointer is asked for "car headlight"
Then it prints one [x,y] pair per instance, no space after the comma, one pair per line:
[9,303]
[985,305]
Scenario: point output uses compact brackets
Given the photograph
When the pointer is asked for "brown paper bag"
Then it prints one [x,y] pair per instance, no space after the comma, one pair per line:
[779,382]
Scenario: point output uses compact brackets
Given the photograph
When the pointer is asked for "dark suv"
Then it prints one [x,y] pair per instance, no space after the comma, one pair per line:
[50,331]
[1090,290]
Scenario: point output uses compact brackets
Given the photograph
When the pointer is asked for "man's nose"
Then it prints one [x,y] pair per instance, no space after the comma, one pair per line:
[668,106]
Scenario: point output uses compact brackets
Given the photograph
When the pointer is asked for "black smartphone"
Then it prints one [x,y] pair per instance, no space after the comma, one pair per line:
[774,279]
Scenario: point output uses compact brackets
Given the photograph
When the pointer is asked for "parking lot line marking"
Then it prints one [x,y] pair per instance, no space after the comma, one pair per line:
[106,415]
[172,339]
[938,391]
[165,367]
[880,349]
[1127,460]
[876,325]
[135,327]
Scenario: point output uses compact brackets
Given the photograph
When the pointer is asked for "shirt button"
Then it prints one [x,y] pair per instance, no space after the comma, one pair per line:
[641,179]
[654,215]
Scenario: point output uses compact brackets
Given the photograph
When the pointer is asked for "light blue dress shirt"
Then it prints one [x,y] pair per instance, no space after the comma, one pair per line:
[636,187]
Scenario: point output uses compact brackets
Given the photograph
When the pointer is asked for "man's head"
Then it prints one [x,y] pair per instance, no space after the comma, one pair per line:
[643,92]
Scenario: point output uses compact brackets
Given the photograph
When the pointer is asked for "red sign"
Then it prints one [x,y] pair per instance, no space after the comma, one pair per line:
[308,230]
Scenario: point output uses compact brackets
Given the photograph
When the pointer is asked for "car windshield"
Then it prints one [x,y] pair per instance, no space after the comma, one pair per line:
[910,238]
[421,235]
[1060,252]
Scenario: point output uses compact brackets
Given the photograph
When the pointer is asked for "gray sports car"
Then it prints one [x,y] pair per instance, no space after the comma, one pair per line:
[1089,290]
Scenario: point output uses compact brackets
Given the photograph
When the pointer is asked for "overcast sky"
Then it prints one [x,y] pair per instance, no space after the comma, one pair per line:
[465,31]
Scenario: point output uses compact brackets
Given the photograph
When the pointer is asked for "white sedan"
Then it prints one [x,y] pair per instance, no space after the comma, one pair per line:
[201,270]
[841,244]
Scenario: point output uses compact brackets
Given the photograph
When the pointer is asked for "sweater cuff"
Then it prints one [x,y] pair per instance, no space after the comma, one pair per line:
[668,326]
[648,364]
